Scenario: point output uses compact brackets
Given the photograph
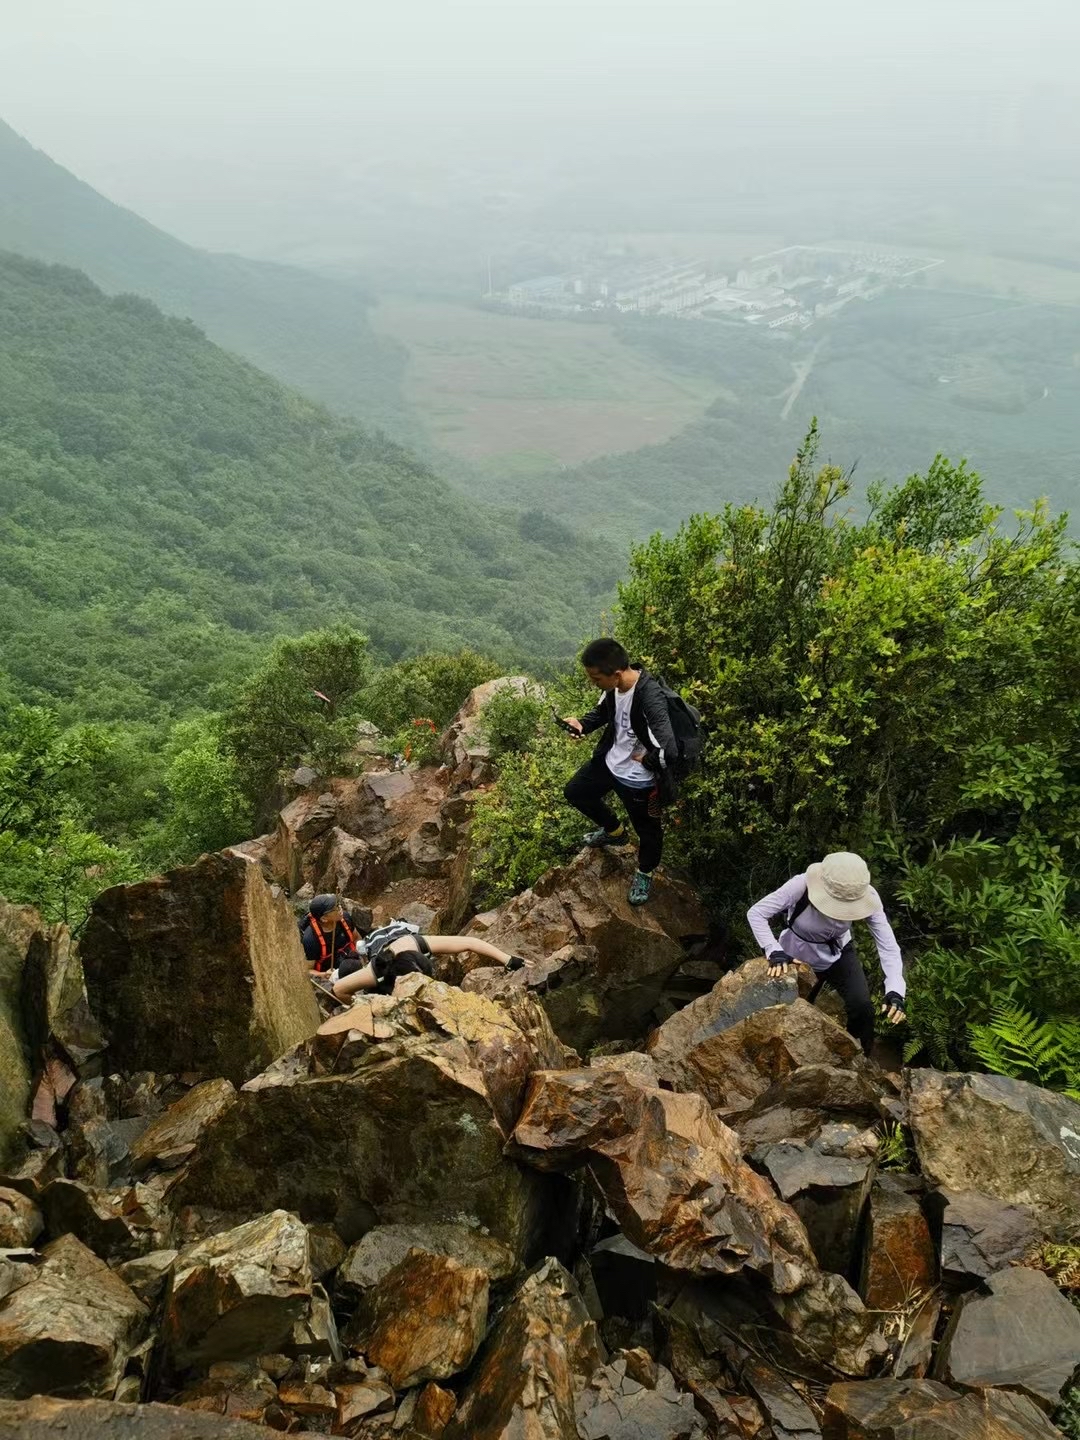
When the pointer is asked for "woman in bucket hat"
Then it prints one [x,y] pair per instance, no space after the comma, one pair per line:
[819,908]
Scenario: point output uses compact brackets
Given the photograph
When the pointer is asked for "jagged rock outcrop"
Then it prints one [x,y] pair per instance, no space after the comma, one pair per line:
[463,746]
[1003,1137]
[827,1183]
[541,1354]
[403,1120]
[199,970]
[736,996]
[385,1246]
[20,1220]
[424,1320]
[673,1176]
[70,1328]
[1022,1334]
[925,1410]
[239,1293]
[614,958]
[633,1397]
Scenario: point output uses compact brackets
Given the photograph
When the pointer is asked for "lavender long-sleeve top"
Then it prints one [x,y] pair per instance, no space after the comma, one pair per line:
[820,939]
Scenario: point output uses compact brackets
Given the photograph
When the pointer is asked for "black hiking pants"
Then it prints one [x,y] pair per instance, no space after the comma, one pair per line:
[587,791]
[848,979]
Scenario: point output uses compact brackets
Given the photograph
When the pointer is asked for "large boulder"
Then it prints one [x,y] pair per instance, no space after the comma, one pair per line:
[402,1119]
[55,1007]
[736,1065]
[18,927]
[47,1419]
[198,970]
[1003,1137]
[737,995]
[801,1104]
[424,1320]
[539,1357]
[978,1235]
[1022,1335]
[239,1293]
[925,1410]
[622,954]
[671,1173]
[70,1328]
[899,1261]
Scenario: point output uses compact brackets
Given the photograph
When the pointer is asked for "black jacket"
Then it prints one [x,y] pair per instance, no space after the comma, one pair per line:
[648,711]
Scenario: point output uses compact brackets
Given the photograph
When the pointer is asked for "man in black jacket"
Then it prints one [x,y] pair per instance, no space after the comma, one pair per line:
[631,758]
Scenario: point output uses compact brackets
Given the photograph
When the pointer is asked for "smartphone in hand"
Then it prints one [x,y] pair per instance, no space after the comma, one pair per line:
[564,724]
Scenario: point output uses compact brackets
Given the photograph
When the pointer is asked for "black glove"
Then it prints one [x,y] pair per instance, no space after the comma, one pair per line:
[515,962]
[893,1001]
[778,962]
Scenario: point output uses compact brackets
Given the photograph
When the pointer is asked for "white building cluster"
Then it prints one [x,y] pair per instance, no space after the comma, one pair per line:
[786,289]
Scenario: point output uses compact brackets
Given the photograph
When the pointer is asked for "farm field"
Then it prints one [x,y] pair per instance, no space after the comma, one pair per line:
[518,394]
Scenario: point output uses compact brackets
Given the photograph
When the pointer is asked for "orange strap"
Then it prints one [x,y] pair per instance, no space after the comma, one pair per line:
[323,948]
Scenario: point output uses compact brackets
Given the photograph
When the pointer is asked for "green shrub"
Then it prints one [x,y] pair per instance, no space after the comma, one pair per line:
[434,686]
[907,687]
[511,722]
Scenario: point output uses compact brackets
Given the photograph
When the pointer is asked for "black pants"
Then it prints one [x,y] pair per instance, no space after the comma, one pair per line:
[848,979]
[586,792]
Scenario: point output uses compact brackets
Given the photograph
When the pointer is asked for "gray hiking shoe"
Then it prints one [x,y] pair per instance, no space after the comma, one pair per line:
[601,840]
[640,888]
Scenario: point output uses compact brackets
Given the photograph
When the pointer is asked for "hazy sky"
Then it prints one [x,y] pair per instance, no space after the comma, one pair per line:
[184,109]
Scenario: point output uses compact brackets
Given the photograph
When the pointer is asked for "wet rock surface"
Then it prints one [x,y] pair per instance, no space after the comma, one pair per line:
[899,1262]
[207,942]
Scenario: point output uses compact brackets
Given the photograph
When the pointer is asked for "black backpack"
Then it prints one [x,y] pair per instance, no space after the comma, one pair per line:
[686,727]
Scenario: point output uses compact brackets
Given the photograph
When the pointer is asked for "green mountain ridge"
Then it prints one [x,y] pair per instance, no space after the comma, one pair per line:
[310,331]
[165,508]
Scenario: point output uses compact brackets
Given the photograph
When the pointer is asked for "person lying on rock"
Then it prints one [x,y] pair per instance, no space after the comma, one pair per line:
[328,932]
[818,909]
[400,949]
[637,743]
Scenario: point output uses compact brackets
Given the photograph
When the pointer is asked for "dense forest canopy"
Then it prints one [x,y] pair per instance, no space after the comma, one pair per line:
[165,509]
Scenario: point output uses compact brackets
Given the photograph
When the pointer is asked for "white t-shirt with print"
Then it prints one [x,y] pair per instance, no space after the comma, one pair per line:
[620,758]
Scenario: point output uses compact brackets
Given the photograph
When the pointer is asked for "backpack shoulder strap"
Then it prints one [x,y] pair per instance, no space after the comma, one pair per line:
[799,906]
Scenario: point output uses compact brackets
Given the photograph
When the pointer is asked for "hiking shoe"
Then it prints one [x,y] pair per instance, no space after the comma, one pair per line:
[640,887]
[600,839]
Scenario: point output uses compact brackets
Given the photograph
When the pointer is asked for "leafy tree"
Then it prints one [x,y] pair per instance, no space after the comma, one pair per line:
[206,809]
[431,686]
[300,705]
[48,858]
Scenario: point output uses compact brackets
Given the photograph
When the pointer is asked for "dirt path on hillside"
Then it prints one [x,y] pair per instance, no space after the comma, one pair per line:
[802,370]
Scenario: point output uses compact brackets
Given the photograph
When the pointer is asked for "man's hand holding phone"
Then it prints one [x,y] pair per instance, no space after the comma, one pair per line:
[571,725]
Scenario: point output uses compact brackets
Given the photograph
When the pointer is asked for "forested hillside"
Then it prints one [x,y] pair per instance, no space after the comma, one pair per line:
[308,331]
[165,508]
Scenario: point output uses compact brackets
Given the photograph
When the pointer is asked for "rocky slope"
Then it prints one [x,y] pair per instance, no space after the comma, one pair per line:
[561,1203]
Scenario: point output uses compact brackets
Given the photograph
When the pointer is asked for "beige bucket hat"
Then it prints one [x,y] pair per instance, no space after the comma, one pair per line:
[840,887]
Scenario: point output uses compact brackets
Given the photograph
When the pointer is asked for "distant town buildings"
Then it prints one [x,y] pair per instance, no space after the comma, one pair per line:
[786,289]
